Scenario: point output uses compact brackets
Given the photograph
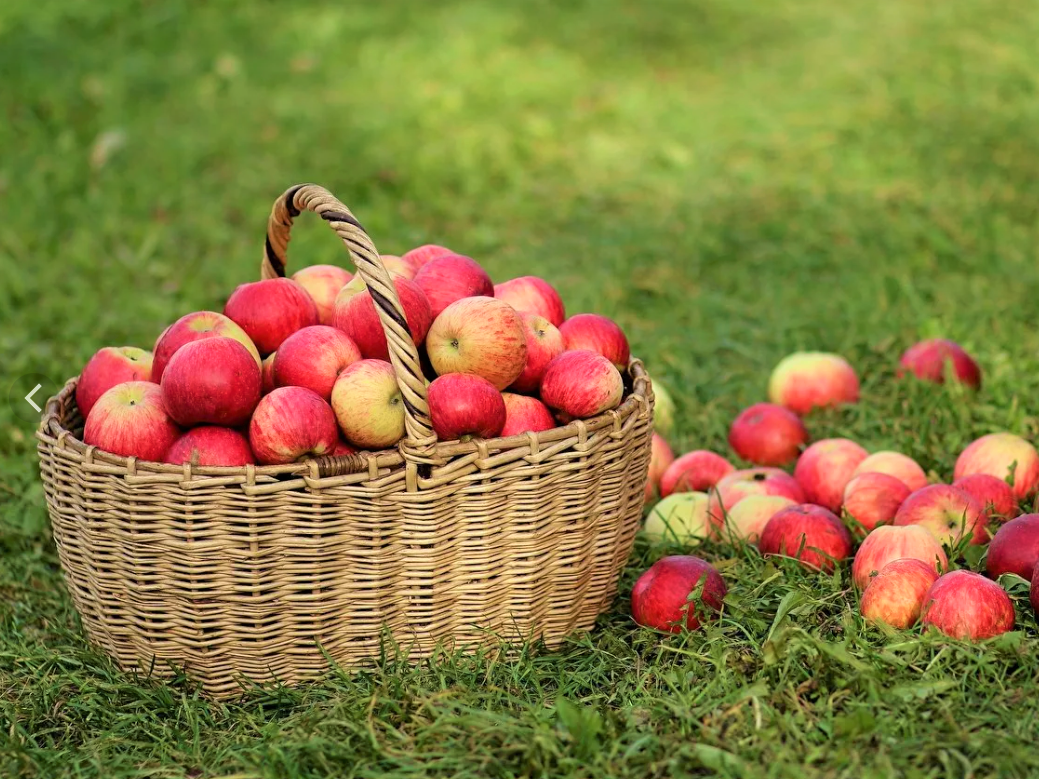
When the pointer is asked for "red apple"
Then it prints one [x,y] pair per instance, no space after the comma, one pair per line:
[355,315]
[544,344]
[525,415]
[130,420]
[464,406]
[313,358]
[598,334]
[1002,455]
[368,405]
[195,327]
[807,533]
[581,384]
[271,310]
[896,595]
[418,257]
[948,513]
[108,367]
[873,499]
[767,434]
[452,277]
[825,469]
[343,448]
[211,446]
[267,372]
[1033,591]
[903,468]
[212,382]
[660,457]
[322,283]
[807,380]
[292,423]
[1015,548]
[534,295]
[887,543]
[963,604]
[994,494]
[736,486]
[696,471]
[746,520]
[927,360]
[481,336]
[661,596]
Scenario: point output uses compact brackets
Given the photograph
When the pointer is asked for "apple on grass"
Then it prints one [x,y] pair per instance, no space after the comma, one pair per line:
[271,310]
[745,521]
[524,414]
[696,471]
[1015,548]
[660,457]
[1033,591]
[356,316]
[419,256]
[108,367]
[807,533]
[368,405]
[452,277]
[931,360]
[322,283]
[195,327]
[131,420]
[481,336]
[679,519]
[738,485]
[994,494]
[313,358]
[544,344]
[896,595]
[463,406]
[887,543]
[767,434]
[214,381]
[534,295]
[806,380]
[598,334]
[947,513]
[581,384]
[211,446]
[677,591]
[1005,456]
[825,469]
[290,424]
[965,605]
[903,468]
[873,499]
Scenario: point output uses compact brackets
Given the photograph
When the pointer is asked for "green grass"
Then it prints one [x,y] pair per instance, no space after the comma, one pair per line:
[730,179]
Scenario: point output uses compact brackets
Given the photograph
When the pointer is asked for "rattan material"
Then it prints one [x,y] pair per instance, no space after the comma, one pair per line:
[261,574]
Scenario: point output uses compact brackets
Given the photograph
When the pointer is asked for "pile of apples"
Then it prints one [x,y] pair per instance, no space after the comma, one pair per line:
[295,368]
[839,495]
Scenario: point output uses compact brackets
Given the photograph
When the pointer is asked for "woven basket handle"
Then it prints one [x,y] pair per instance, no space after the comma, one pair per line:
[418,432]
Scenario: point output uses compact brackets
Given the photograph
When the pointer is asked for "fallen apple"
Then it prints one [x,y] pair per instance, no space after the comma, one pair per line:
[929,360]
[896,595]
[1015,548]
[675,591]
[965,605]
[679,519]
[949,514]
[696,471]
[807,380]
[903,468]
[825,468]
[1005,456]
[807,533]
[887,543]
[767,434]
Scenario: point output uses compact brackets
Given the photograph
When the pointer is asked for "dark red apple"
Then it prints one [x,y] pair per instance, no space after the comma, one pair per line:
[807,533]
[661,597]
[1015,547]
[211,446]
[313,358]
[581,384]
[271,310]
[994,494]
[599,334]
[525,415]
[452,277]
[767,434]
[355,315]
[463,406]
[214,381]
[194,327]
[292,423]
[927,360]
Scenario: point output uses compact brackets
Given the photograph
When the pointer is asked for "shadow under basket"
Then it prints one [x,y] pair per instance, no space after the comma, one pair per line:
[261,574]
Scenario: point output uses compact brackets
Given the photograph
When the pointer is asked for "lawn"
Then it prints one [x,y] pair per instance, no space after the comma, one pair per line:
[730,179]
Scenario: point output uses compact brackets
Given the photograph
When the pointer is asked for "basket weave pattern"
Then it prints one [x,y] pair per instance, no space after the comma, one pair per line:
[263,573]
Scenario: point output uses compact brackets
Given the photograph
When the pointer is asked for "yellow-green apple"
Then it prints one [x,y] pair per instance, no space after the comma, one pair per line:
[887,543]
[211,446]
[267,372]
[464,406]
[930,360]
[108,367]
[271,310]
[736,486]
[746,520]
[452,277]
[313,358]
[767,434]
[195,327]
[663,409]
[948,513]
[680,518]
[292,423]
[825,468]
[544,344]
[994,494]
[524,414]
[896,595]
[903,468]
[663,597]
[811,534]
[963,604]
[598,334]
[322,283]
[419,256]
[131,420]
[806,380]
[529,293]
[356,316]
[395,264]
[481,336]
[1003,455]
[873,499]
[1015,548]
[660,458]
[214,381]
[581,384]
[696,471]
[368,405]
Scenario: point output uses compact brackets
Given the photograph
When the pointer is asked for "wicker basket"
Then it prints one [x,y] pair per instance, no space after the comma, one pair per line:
[261,574]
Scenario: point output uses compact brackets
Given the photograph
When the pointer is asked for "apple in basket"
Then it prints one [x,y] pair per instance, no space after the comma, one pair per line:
[581,384]
[267,372]
[368,405]
[452,277]
[108,367]
[394,264]
[544,344]
[598,334]
[292,423]
[419,256]
[534,295]
[271,310]
[212,382]
[313,358]
[211,446]
[195,327]
[322,283]
[481,336]
[524,414]
[464,406]
[356,316]
[131,420]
